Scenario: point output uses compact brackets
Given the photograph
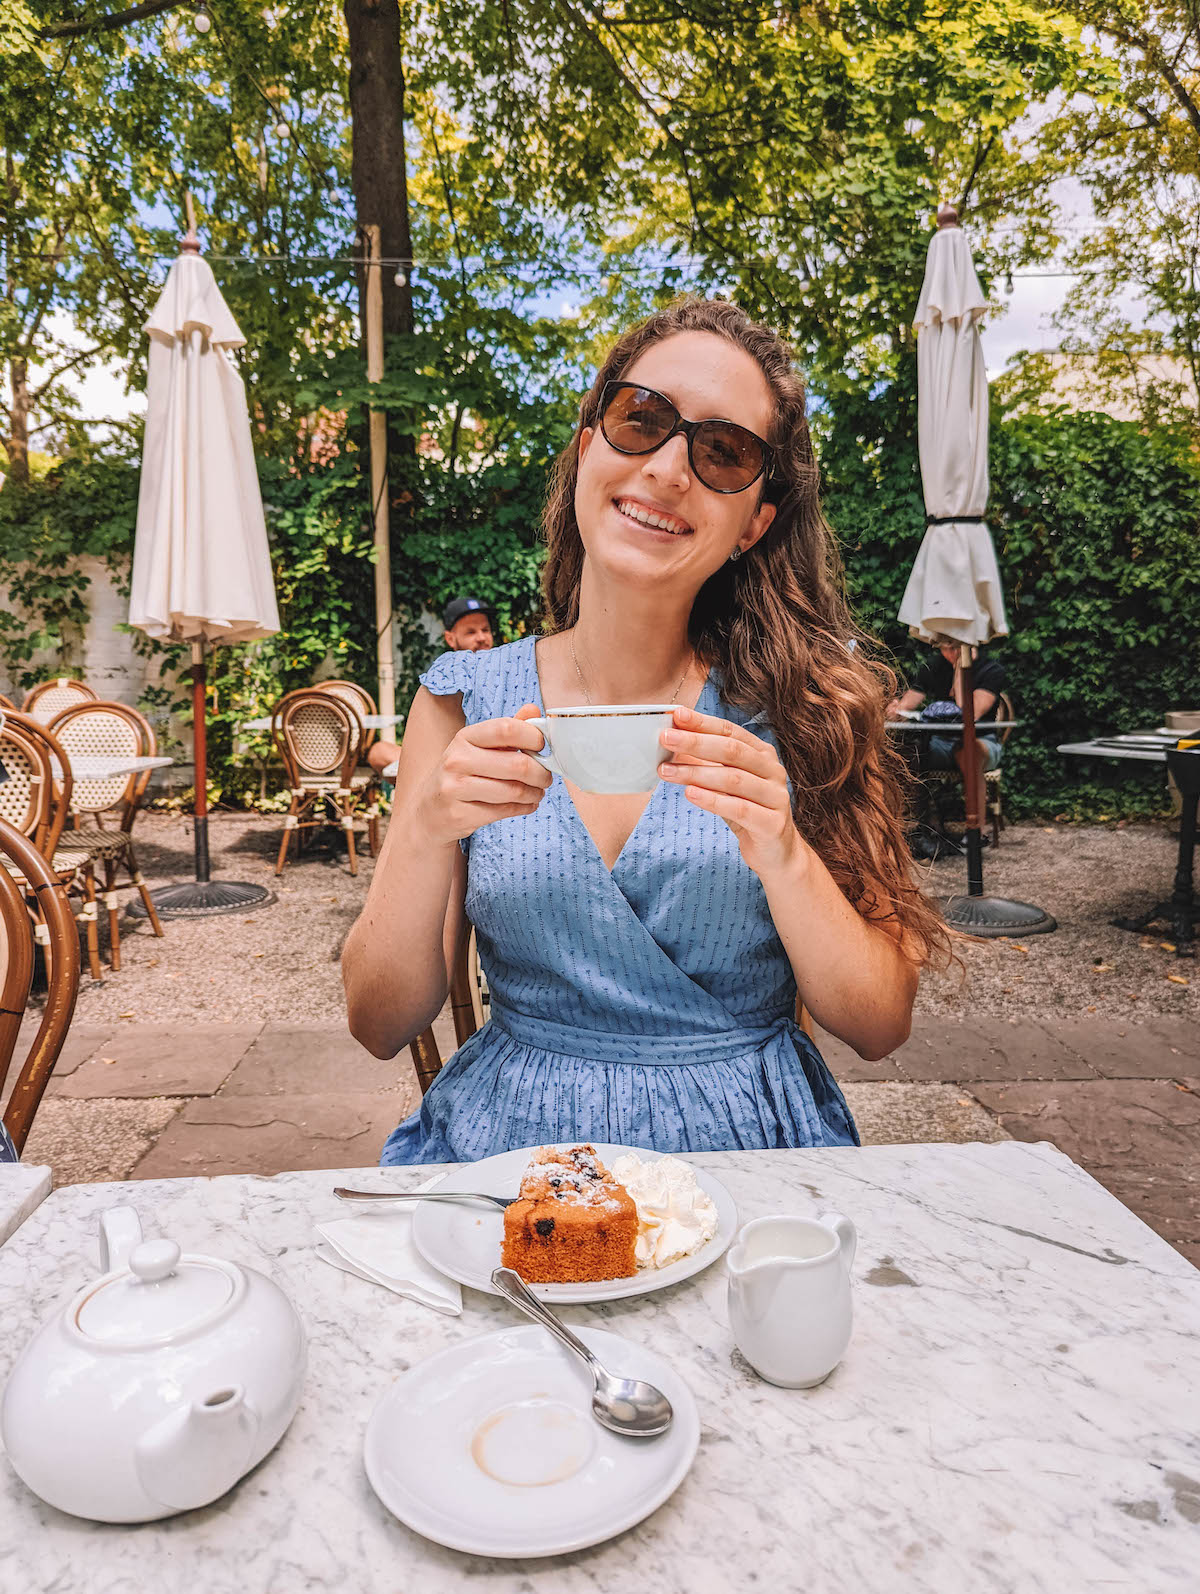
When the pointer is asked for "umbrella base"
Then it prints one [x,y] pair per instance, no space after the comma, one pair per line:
[196,899]
[995,916]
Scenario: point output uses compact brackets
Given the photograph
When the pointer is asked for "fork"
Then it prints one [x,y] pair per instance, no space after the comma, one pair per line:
[423,1195]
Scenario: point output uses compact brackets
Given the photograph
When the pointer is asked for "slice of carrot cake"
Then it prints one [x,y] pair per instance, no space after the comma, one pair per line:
[573,1222]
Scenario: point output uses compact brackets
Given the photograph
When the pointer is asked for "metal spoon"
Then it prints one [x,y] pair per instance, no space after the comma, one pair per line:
[500,1201]
[628,1406]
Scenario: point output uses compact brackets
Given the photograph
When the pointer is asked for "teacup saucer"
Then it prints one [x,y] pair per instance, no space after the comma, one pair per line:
[490,1446]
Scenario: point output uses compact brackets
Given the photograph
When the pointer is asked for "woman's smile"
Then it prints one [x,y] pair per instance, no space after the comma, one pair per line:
[651,517]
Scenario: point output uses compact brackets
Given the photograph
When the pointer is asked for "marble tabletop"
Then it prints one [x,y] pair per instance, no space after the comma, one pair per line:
[1018,1411]
[23,1187]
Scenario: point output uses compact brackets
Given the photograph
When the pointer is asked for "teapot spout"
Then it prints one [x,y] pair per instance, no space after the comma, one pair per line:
[198,1452]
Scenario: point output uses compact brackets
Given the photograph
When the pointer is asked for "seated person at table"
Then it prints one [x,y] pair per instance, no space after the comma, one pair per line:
[467,625]
[644,952]
[939,679]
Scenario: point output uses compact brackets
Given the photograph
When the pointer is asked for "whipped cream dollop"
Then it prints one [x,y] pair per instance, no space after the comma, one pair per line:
[675,1216]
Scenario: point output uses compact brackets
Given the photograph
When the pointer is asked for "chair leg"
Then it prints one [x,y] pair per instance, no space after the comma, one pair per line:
[90,915]
[348,827]
[290,823]
[135,874]
[110,902]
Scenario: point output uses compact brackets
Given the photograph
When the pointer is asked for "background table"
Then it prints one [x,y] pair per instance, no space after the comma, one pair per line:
[370,722]
[1150,747]
[107,768]
[23,1187]
[952,727]
[1018,1412]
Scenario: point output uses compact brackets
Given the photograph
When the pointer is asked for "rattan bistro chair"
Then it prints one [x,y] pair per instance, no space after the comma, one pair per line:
[361,701]
[7,706]
[91,730]
[949,778]
[28,803]
[51,697]
[317,735]
[23,863]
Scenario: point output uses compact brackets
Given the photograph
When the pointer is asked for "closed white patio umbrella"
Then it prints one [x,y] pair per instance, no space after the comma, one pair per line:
[953,593]
[201,563]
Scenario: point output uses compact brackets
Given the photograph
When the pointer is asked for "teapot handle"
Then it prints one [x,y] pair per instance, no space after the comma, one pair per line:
[846,1233]
[120,1231]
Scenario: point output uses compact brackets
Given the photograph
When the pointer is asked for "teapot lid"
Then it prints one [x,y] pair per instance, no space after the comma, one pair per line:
[159,1297]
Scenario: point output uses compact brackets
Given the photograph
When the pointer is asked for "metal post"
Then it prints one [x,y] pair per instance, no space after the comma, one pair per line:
[200,761]
[972,776]
[385,654]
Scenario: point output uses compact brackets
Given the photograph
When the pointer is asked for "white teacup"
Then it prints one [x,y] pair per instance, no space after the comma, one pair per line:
[609,747]
[789,1296]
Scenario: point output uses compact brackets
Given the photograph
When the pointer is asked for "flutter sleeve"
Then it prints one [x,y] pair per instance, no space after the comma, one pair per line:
[456,672]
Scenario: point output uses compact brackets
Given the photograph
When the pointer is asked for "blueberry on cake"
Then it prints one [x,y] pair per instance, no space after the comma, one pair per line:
[573,1223]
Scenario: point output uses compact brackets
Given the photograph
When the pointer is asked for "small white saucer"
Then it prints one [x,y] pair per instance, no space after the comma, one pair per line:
[490,1446]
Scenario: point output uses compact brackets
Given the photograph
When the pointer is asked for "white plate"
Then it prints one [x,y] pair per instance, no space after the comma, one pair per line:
[491,1447]
[464,1241]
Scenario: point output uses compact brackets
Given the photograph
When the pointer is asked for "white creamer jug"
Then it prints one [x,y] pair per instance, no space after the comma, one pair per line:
[789,1296]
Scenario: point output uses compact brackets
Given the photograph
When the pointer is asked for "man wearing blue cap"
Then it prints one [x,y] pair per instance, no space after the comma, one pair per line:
[467,625]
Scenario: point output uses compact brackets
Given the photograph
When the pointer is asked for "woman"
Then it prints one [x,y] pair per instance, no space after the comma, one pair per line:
[644,953]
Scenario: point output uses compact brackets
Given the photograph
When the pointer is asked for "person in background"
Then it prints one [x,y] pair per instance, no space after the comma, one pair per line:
[939,678]
[468,626]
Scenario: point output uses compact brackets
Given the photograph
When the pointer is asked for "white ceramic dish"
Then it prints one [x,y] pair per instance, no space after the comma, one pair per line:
[490,1446]
[464,1241]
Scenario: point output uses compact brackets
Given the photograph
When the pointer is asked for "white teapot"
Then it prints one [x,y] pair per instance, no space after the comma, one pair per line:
[158,1386]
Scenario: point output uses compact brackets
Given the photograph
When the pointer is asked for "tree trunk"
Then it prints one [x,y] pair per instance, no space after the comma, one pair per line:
[18,427]
[378,169]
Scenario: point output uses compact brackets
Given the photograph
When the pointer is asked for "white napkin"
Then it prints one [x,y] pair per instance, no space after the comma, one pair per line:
[378,1246]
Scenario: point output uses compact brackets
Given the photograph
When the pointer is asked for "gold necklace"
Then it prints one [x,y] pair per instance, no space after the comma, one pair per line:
[583,685]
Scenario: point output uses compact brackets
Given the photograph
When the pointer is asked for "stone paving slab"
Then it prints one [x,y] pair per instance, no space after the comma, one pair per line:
[83,1041]
[987,1049]
[313,1059]
[1150,1123]
[159,1060]
[271,1134]
[1126,1051]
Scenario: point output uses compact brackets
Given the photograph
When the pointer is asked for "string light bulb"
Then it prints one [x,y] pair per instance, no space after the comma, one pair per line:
[1008,282]
[282,130]
[202,19]
[401,278]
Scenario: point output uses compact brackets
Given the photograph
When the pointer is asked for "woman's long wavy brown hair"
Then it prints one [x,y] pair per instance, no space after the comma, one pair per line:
[777,627]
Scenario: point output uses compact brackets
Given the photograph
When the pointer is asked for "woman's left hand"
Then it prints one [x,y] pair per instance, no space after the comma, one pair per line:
[732,773]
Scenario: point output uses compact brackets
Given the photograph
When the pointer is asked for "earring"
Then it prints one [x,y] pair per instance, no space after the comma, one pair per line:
[735,556]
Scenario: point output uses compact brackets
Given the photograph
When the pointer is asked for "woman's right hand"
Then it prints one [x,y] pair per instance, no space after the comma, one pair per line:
[485,774]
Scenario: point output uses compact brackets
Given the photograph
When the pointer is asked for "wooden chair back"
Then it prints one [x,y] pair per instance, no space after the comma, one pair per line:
[101,730]
[316,734]
[359,699]
[25,795]
[51,697]
[63,963]
[466,1009]
[60,785]
[1004,711]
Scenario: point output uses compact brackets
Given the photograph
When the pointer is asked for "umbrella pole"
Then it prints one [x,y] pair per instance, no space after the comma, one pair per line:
[200,761]
[204,897]
[972,776]
[976,914]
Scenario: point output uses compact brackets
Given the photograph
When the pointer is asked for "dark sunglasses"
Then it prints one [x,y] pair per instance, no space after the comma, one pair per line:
[723,455]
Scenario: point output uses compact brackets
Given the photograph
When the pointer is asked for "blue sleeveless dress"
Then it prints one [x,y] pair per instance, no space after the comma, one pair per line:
[647,1007]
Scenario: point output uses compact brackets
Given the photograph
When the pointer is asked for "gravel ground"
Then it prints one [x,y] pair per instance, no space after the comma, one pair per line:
[279,964]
